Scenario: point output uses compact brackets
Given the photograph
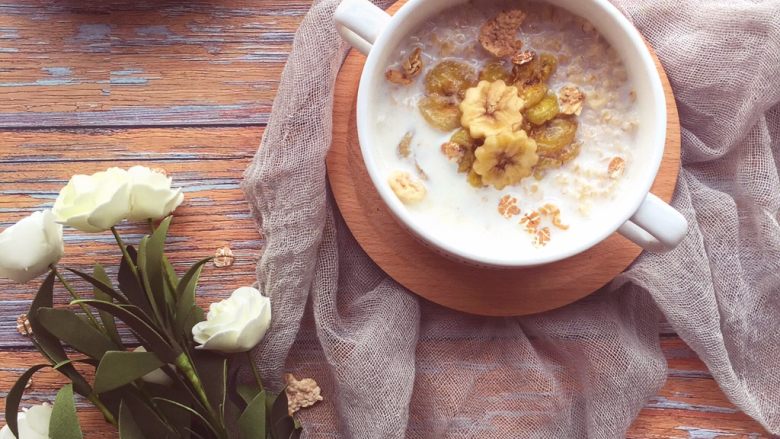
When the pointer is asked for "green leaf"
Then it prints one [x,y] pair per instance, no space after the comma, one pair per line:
[142,407]
[118,368]
[282,424]
[154,255]
[157,303]
[64,423]
[251,423]
[75,331]
[129,285]
[248,391]
[100,286]
[212,369]
[47,343]
[134,318]
[14,397]
[185,408]
[186,309]
[128,428]
[170,274]
[100,274]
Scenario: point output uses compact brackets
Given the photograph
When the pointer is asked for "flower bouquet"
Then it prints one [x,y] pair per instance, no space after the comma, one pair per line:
[183,379]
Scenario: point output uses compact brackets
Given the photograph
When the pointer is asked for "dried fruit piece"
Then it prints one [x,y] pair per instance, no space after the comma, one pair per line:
[493,72]
[544,164]
[523,57]
[498,35]
[440,112]
[407,190]
[450,78]
[507,206]
[545,110]
[475,179]
[569,152]
[533,93]
[616,167]
[410,68]
[467,145]
[491,108]
[548,63]
[538,69]
[553,136]
[405,145]
[570,99]
[505,159]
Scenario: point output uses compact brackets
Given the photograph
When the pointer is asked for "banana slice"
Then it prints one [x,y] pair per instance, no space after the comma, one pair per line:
[407,190]
[505,159]
[491,108]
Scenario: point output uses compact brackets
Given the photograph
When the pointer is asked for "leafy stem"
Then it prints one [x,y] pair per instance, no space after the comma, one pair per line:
[185,366]
[93,398]
[126,255]
[75,296]
[255,372]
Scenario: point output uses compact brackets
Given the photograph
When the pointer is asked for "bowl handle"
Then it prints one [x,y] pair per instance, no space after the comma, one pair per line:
[360,22]
[655,226]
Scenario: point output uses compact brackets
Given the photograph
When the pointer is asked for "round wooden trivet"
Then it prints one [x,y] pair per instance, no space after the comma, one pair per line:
[491,292]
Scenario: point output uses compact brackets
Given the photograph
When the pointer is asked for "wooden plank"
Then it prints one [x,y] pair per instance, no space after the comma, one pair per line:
[693,407]
[207,162]
[121,63]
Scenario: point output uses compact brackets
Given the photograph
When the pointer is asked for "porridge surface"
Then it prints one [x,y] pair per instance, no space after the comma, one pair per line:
[577,195]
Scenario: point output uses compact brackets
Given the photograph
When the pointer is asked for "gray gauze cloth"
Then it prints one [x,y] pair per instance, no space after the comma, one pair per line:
[392,365]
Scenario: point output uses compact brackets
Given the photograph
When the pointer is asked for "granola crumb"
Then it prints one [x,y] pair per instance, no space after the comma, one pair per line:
[301,393]
[453,151]
[224,257]
[23,325]
[523,57]
[616,168]
[570,100]
[410,69]
[498,34]
[405,145]
[507,206]
[554,213]
[531,221]
[542,237]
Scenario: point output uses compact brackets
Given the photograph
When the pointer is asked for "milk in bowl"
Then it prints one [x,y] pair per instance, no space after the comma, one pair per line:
[506,127]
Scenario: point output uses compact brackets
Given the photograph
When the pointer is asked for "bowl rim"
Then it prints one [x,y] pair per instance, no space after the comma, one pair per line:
[372,68]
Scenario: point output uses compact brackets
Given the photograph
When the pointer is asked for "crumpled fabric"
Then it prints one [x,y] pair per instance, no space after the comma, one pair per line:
[392,365]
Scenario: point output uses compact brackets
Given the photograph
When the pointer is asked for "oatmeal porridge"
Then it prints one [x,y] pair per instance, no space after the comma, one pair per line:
[508,125]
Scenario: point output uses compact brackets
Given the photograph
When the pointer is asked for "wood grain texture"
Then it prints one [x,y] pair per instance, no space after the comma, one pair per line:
[457,285]
[93,62]
[186,66]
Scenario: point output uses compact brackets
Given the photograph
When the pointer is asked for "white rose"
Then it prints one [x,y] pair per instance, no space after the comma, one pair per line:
[235,324]
[28,247]
[151,196]
[33,423]
[94,203]
[155,376]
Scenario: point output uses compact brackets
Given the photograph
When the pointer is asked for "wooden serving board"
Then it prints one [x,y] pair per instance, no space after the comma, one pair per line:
[484,291]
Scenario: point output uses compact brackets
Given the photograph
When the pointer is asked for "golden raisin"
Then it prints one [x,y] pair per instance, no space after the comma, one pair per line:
[450,78]
[545,110]
[440,112]
[533,93]
[553,136]
[493,72]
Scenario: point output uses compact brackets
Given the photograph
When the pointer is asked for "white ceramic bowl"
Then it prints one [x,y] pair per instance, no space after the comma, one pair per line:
[640,216]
